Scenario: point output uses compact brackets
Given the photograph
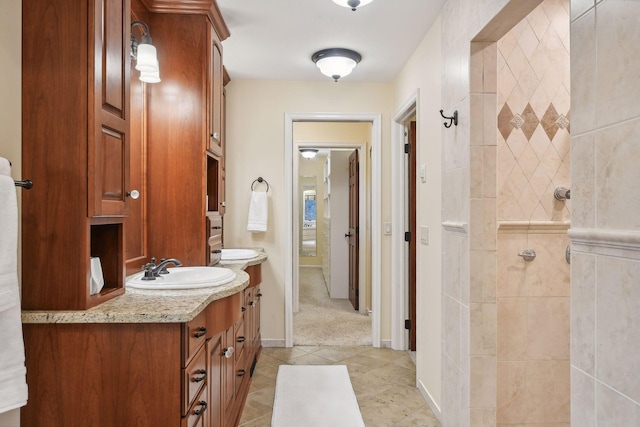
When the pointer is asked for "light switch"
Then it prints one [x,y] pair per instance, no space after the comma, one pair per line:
[424,235]
[387,228]
[423,173]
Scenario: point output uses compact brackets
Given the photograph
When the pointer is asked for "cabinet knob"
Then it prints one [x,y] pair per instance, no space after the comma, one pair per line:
[203,407]
[201,378]
[216,251]
[216,135]
[259,295]
[134,194]
[217,227]
[223,204]
[201,331]
[244,309]
[253,304]
[228,352]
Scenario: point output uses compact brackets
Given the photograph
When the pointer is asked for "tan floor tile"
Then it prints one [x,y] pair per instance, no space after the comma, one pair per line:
[383,380]
[423,417]
[264,421]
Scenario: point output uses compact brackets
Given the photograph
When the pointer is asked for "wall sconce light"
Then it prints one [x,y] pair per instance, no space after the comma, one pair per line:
[145,55]
[336,62]
[308,153]
[352,4]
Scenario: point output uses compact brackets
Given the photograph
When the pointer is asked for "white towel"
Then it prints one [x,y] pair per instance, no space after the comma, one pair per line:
[13,386]
[258,212]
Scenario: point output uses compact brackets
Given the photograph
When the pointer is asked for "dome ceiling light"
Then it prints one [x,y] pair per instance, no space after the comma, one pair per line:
[352,4]
[308,153]
[336,62]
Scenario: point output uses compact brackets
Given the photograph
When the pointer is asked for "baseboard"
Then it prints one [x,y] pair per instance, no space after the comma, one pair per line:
[310,266]
[427,396]
[385,343]
[273,343]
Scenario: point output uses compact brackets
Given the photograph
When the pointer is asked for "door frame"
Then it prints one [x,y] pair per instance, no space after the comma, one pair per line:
[371,237]
[362,201]
[399,251]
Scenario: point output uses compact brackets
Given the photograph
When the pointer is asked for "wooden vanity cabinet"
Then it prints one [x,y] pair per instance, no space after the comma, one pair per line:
[75,149]
[143,374]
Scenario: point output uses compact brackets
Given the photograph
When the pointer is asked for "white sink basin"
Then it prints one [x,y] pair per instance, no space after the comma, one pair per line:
[237,254]
[185,278]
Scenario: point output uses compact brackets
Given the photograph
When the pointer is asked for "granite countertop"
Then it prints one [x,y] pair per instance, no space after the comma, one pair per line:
[152,306]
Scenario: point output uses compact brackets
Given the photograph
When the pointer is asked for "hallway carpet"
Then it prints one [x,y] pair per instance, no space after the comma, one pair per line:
[325,321]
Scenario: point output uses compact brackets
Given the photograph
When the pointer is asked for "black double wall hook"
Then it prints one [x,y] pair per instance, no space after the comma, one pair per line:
[452,120]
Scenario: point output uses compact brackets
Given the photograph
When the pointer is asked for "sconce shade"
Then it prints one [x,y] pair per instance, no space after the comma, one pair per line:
[352,4]
[150,77]
[147,58]
[308,153]
[336,62]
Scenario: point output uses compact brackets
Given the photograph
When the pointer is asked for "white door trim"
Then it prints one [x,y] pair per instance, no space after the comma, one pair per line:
[291,258]
[399,250]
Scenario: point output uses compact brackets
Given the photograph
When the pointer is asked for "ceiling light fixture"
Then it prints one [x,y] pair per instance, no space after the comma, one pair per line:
[336,62]
[145,54]
[308,153]
[352,4]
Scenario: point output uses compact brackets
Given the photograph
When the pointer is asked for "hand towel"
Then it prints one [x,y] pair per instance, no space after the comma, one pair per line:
[13,385]
[258,212]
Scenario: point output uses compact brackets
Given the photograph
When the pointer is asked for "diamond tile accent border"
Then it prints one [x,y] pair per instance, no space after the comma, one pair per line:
[517,121]
[562,122]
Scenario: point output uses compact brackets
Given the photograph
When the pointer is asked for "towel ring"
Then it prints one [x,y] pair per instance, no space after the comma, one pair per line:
[260,180]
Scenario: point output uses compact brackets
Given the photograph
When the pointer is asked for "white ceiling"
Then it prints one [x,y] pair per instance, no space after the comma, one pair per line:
[274,39]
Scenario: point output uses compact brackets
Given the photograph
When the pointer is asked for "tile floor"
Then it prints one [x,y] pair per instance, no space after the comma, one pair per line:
[383,380]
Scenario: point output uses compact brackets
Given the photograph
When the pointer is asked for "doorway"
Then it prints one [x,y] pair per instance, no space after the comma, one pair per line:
[369,239]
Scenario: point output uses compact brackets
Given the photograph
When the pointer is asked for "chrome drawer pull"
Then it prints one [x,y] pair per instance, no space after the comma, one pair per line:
[202,331]
[241,339]
[241,372]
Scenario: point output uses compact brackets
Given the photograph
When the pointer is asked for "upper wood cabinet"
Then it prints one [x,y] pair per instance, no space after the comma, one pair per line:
[215,101]
[75,148]
[184,131]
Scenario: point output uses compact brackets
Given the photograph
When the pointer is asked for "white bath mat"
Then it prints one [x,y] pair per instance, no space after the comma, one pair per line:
[315,396]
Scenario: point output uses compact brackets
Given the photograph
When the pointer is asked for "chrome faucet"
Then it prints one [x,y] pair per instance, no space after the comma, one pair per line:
[151,270]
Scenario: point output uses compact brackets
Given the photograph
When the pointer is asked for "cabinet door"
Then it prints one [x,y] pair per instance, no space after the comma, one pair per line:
[216,378]
[215,97]
[109,105]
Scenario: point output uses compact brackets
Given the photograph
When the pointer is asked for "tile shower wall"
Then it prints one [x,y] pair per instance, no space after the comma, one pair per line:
[473,180]
[533,115]
[533,104]
[605,225]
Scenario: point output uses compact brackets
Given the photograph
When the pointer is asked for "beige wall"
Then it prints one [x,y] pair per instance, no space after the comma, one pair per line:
[423,71]
[255,147]
[605,225]
[10,116]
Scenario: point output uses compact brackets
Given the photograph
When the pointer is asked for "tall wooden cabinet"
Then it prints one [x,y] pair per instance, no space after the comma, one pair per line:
[75,148]
[185,133]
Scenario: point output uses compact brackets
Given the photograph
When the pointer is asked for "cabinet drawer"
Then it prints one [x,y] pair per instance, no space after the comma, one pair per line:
[214,241]
[198,412]
[194,377]
[194,334]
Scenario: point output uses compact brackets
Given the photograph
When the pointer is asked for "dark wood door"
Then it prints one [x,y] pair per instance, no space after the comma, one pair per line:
[354,229]
[412,230]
